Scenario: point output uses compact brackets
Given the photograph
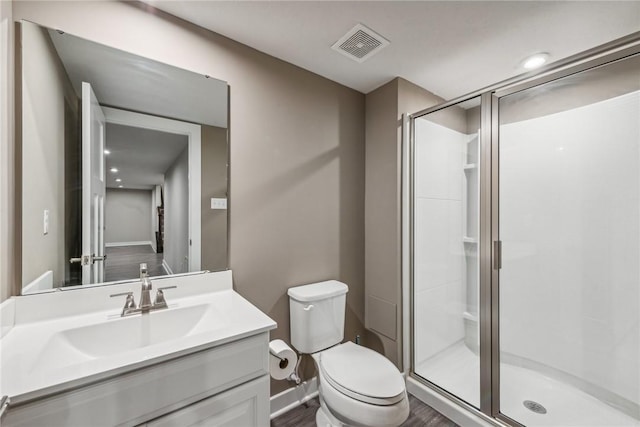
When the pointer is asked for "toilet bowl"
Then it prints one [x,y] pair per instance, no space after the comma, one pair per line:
[357,386]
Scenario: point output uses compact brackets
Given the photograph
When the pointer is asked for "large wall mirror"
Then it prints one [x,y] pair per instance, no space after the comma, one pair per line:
[124,160]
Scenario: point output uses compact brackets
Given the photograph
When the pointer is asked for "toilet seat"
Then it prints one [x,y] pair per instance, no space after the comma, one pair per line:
[347,411]
[348,368]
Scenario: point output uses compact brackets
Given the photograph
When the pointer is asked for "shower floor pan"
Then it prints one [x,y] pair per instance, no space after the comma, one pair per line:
[457,370]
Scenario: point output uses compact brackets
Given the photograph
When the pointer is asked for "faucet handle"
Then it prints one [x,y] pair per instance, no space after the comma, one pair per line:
[160,301]
[129,303]
[121,294]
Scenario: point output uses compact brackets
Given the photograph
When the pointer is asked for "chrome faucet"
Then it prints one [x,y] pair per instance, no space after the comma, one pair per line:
[145,296]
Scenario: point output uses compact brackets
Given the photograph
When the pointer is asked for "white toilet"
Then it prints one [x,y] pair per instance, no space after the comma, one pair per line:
[358,387]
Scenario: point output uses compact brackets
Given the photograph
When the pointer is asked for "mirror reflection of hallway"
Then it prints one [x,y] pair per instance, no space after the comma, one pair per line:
[131,233]
[146,202]
[123,262]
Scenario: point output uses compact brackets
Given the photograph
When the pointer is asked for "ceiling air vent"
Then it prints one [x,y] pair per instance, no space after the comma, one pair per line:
[360,43]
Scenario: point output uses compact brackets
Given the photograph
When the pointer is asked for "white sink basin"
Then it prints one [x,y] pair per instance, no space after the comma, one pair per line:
[129,333]
[67,339]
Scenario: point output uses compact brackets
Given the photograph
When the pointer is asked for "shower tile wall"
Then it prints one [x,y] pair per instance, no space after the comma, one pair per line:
[570,226]
[440,294]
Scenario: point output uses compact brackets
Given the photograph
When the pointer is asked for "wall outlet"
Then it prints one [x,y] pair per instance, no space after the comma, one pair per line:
[218,203]
[45,222]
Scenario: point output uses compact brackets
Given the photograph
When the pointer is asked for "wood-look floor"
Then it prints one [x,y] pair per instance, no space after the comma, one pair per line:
[421,415]
[123,262]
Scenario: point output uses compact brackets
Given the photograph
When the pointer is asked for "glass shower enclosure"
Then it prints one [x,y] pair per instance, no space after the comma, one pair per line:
[525,245]
[446,236]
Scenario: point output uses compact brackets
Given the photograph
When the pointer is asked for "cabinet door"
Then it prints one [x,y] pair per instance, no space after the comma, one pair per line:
[246,405]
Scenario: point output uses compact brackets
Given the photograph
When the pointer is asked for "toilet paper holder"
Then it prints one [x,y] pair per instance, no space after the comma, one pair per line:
[283,362]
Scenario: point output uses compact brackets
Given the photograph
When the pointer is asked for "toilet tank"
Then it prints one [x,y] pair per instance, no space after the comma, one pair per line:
[317,315]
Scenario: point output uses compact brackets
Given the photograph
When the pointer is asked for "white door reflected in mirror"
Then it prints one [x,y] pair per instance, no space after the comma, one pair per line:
[93,186]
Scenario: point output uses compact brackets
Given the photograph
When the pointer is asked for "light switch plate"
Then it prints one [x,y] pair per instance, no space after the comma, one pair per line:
[45,222]
[218,203]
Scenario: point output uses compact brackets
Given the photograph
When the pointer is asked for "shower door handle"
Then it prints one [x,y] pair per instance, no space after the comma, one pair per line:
[497,254]
[4,405]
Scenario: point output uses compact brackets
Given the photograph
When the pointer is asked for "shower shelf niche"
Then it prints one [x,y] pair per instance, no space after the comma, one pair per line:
[470,237]
[471,189]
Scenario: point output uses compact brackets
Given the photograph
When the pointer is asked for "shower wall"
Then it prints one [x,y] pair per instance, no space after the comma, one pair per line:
[443,289]
[570,227]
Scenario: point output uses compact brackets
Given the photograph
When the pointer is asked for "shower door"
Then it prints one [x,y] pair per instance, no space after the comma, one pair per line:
[525,247]
[445,249]
[569,226]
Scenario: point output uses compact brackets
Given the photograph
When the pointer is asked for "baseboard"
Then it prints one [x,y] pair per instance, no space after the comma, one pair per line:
[448,408]
[166,267]
[138,243]
[295,396]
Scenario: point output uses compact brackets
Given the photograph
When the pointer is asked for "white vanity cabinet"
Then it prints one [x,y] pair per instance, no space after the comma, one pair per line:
[70,358]
[226,385]
[243,405]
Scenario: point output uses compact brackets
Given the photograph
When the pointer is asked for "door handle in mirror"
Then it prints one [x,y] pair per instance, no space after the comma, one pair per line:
[83,260]
[98,258]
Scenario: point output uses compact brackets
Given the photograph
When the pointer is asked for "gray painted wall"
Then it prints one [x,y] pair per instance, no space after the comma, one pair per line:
[45,86]
[214,184]
[7,181]
[127,216]
[382,221]
[383,253]
[176,214]
[296,148]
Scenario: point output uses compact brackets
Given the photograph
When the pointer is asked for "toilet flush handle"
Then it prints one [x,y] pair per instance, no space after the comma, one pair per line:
[309,307]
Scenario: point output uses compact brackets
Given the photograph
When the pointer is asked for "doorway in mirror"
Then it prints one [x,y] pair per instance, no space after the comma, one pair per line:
[148,214]
[123,262]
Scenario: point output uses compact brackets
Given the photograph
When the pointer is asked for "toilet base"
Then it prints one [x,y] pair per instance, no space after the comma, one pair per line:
[324,418]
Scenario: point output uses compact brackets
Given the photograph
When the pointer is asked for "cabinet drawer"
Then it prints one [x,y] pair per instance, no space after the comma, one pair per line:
[246,405]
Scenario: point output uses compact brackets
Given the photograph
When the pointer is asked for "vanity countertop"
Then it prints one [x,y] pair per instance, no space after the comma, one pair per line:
[44,351]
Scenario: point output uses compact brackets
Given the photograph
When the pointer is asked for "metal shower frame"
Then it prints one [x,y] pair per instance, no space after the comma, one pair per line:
[489,239]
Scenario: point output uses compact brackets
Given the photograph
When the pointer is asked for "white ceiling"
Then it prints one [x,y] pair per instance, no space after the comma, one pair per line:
[124,80]
[142,156]
[448,47]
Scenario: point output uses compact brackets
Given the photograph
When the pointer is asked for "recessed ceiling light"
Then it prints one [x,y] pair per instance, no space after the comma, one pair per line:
[107,152]
[118,179]
[120,186]
[535,61]
[114,170]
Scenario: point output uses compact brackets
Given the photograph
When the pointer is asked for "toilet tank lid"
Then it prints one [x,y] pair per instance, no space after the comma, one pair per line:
[318,291]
